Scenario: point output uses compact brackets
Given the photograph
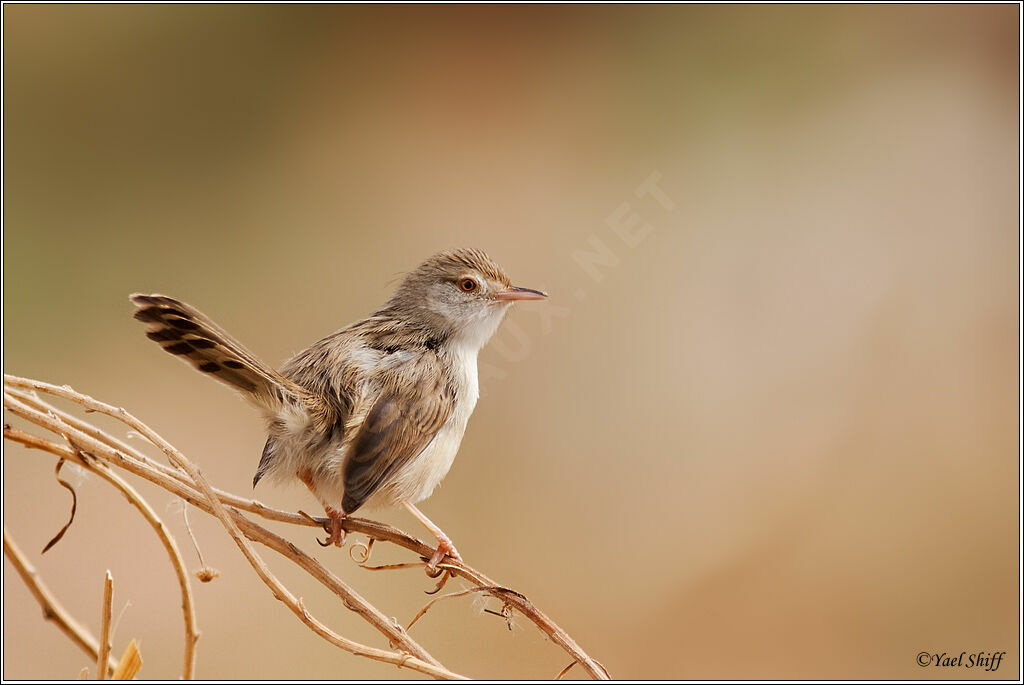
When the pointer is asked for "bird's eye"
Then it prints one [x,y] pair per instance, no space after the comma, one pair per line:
[468,285]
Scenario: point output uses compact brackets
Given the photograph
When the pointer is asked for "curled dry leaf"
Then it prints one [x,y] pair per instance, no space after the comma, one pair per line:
[74,506]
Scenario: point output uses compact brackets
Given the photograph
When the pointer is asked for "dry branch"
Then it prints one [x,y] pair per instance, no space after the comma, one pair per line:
[137,464]
[108,601]
[52,609]
[130,663]
[148,513]
[184,480]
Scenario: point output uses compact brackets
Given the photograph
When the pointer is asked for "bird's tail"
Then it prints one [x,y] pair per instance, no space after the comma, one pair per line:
[187,333]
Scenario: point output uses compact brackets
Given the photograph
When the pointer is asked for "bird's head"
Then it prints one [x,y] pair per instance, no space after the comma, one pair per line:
[462,295]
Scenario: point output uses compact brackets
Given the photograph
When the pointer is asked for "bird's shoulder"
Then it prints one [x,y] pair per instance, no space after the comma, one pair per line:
[373,355]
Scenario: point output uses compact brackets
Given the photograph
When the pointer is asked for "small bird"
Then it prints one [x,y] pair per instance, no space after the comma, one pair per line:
[373,414]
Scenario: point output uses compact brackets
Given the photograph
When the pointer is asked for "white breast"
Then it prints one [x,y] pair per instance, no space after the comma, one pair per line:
[424,473]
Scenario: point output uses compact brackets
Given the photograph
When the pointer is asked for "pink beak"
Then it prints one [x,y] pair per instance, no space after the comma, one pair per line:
[517,293]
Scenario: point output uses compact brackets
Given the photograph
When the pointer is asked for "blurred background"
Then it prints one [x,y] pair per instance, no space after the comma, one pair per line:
[765,427]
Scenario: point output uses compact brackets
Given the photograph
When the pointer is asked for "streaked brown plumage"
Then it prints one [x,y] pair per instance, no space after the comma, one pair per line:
[372,414]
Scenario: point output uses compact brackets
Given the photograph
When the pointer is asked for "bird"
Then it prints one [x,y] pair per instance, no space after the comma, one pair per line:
[373,414]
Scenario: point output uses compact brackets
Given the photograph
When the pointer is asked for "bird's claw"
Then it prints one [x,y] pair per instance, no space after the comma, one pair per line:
[444,548]
[335,533]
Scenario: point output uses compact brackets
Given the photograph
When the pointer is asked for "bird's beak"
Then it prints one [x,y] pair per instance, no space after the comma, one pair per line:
[517,293]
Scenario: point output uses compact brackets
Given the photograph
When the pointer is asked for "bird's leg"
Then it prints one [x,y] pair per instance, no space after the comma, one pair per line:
[444,543]
[335,533]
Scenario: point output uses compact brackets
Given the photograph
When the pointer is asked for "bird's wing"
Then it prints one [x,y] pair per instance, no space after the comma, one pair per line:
[416,402]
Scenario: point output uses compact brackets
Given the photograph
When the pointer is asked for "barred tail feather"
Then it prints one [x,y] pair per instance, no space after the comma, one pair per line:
[184,331]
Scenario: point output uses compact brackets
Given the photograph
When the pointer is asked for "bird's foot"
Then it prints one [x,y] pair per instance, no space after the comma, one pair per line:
[335,533]
[444,548]
[444,543]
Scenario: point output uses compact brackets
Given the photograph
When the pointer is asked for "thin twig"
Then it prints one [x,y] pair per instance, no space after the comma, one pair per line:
[32,400]
[415,658]
[205,573]
[108,600]
[137,464]
[252,530]
[185,484]
[391,567]
[136,500]
[450,595]
[52,609]
[565,670]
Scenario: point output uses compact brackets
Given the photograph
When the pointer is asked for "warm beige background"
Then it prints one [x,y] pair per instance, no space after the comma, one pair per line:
[776,439]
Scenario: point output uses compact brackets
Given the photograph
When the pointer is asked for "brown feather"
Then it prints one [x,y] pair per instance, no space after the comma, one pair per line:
[406,416]
[185,332]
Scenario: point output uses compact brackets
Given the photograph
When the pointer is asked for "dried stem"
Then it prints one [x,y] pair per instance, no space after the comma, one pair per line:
[130,663]
[412,656]
[561,674]
[184,480]
[52,609]
[450,595]
[108,601]
[104,472]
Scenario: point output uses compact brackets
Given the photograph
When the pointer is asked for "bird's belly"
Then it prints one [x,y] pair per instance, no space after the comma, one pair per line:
[417,480]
